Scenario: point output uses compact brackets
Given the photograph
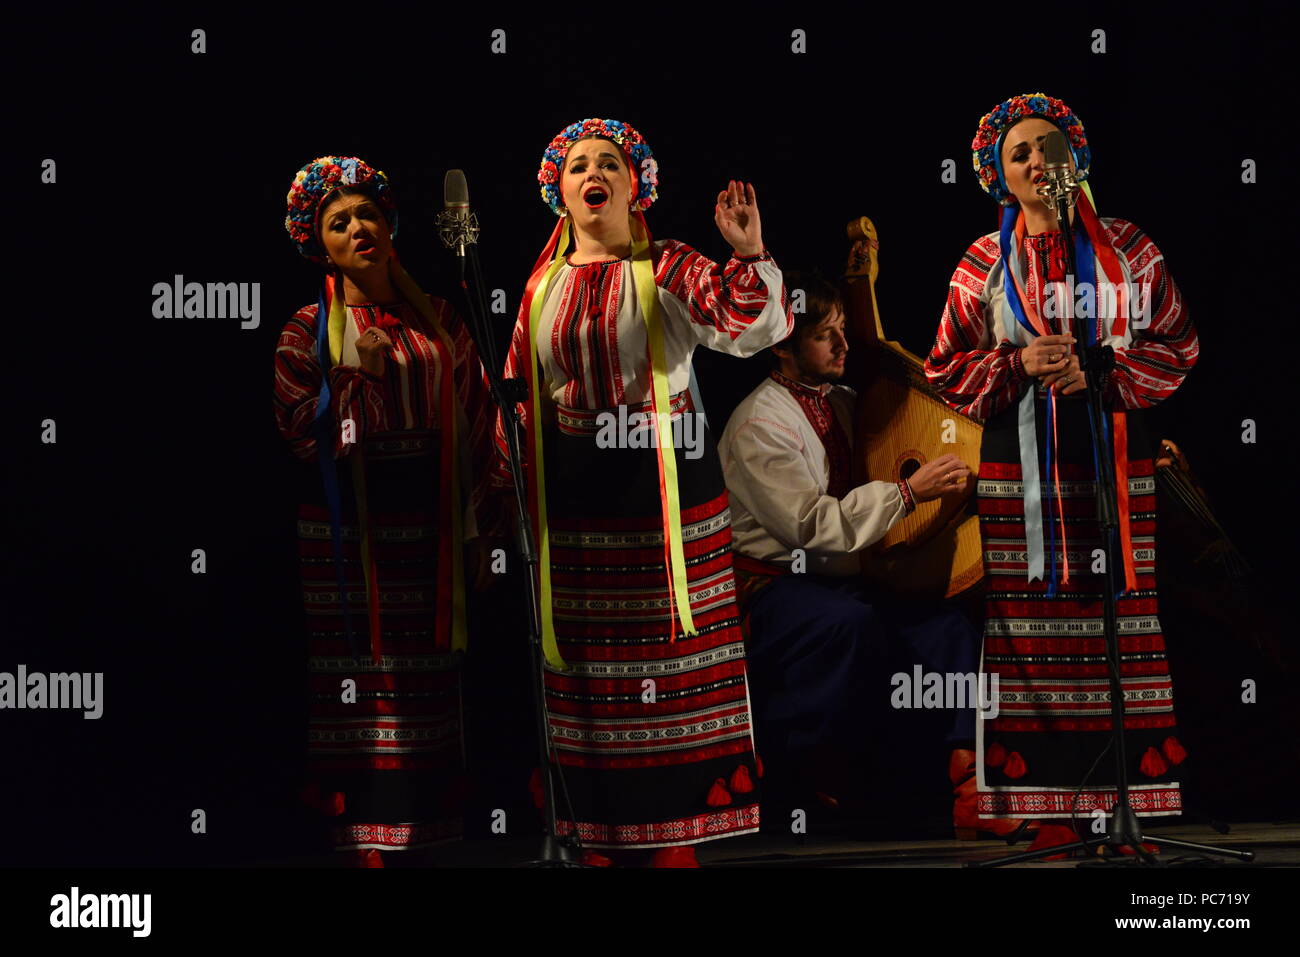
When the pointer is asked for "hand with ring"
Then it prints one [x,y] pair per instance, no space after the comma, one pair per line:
[1069,379]
[946,475]
[370,349]
[1046,355]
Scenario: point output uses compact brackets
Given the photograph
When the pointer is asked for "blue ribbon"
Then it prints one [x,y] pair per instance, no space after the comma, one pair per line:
[323,426]
[1009,216]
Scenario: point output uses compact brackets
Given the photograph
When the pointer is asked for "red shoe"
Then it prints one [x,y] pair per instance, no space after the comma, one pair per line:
[1149,848]
[966,821]
[683,856]
[371,857]
[592,859]
[1054,835]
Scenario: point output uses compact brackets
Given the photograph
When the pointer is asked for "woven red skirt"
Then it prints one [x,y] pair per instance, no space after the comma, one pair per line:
[393,747]
[653,736]
[1042,756]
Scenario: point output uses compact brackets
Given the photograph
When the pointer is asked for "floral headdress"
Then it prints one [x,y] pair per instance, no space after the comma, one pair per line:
[315,182]
[640,160]
[986,148]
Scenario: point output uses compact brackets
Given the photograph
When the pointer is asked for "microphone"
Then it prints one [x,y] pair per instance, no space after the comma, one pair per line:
[1059,184]
[457,226]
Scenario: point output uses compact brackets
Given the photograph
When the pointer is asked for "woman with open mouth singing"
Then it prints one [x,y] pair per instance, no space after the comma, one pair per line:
[645,674]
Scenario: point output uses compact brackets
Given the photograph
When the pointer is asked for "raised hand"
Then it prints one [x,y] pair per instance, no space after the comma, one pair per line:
[737,217]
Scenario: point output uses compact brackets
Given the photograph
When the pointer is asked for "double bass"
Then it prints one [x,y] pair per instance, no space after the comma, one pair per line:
[900,424]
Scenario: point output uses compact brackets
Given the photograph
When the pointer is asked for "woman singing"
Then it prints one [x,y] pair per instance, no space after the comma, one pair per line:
[645,678]
[1004,355]
[382,387]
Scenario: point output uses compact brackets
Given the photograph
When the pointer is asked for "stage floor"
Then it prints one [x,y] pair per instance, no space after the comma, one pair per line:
[1274,844]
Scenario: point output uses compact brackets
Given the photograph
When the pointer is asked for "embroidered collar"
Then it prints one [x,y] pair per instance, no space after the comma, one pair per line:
[816,406]
[799,388]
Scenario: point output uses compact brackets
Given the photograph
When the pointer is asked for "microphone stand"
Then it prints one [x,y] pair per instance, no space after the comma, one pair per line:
[461,234]
[1123,829]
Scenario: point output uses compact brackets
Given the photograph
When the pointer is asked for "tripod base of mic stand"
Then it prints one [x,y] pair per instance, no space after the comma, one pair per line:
[1123,831]
[556,853]
[1093,842]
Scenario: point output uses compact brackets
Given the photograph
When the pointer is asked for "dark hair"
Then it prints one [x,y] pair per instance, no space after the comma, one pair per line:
[820,299]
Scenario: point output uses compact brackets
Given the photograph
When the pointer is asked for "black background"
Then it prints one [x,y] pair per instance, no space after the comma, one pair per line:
[171,162]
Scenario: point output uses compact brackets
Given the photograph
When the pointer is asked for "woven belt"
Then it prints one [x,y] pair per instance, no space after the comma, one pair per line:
[587,421]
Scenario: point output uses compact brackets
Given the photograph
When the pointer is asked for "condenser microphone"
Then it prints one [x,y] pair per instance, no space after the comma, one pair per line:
[1059,184]
[457,226]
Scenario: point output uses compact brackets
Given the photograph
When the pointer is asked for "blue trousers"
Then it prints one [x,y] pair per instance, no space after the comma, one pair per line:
[821,656]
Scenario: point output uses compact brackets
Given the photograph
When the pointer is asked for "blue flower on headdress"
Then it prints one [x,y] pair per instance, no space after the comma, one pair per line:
[315,181]
[640,159]
[988,136]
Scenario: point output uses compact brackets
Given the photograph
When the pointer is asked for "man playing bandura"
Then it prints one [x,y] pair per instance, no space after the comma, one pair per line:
[820,647]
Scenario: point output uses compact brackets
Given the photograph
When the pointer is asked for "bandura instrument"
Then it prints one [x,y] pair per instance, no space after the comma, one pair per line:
[901,424]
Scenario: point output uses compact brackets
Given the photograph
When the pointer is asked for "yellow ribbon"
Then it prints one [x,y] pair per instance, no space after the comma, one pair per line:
[647,295]
[1087,191]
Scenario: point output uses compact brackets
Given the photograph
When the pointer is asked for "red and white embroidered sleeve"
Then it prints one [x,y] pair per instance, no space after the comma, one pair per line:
[1164,349]
[516,360]
[725,302]
[970,373]
[354,395]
